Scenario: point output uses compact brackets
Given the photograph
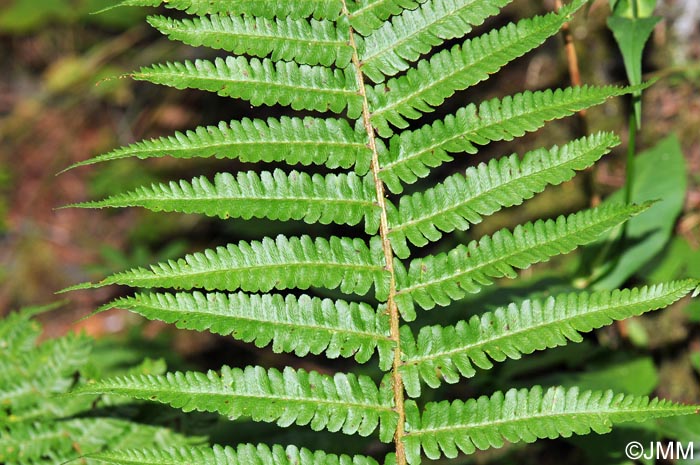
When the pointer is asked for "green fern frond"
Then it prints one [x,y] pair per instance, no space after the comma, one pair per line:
[41,372]
[263,82]
[18,333]
[412,153]
[305,42]
[319,9]
[243,454]
[462,200]
[427,85]
[301,325]
[368,15]
[441,279]
[66,440]
[328,141]
[509,332]
[340,199]
[391,48]
[446,428]
[55,357]
[281,263]
[343,402]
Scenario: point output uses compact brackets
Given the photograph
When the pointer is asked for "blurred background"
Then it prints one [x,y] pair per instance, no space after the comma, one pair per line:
[63,99]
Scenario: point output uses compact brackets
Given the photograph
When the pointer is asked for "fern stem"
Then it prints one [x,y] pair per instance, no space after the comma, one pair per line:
[392,307]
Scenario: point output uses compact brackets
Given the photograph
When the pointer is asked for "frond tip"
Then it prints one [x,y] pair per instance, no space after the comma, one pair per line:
[446,428]
[343,402]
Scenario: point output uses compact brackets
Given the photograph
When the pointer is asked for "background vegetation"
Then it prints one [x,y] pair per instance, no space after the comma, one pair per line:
[60,103]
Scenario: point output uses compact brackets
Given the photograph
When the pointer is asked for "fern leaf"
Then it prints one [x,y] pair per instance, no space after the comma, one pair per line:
[306,42]
[281,263]
[462,200]
[524,415]
[18,333]
[243,454]
[339,199]
[343,402]
[440,279]
[432,81]
[330,142]
[264,82]
[413,152]
[67,440]
[510,332]
[319,9]
[292,324]
[46,370]
[391,48]
[368,15]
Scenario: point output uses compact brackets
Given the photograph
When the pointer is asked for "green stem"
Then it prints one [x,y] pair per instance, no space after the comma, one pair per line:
[631,150]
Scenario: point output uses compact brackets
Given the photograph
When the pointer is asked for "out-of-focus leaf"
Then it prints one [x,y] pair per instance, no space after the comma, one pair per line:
[626,8]
[632,23]
[660,173]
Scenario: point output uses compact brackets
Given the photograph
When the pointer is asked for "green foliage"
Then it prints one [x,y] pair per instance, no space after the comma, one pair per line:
[320,56]
[39,424]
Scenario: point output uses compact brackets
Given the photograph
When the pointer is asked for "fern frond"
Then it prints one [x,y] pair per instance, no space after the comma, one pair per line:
[339,199]
[243,454]
[368,15]
[462,200]
[18,333]
[509,332]
[432,81]
[391,48]
[441,279]
[446,428]
[292,324]
[319,9]
[306,42]
[281,263]
[48,369]
[66,440]
[343,402]
[327,141]
[412,153]
[264,82]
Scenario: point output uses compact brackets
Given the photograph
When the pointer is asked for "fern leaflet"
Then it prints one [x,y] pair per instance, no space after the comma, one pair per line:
[293,324]
[440,279]
[509,332]
[523,415]
[340,199]
[263,82]
[243,454]
[343,402]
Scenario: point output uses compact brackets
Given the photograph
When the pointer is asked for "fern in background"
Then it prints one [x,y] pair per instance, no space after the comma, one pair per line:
[368,69]
[39,423]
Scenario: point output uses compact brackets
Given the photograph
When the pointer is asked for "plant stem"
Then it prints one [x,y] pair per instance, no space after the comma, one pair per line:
[631,149]
[392,308]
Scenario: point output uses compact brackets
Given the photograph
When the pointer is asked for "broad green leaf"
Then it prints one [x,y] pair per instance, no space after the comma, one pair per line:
[648,233]
[631,35]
